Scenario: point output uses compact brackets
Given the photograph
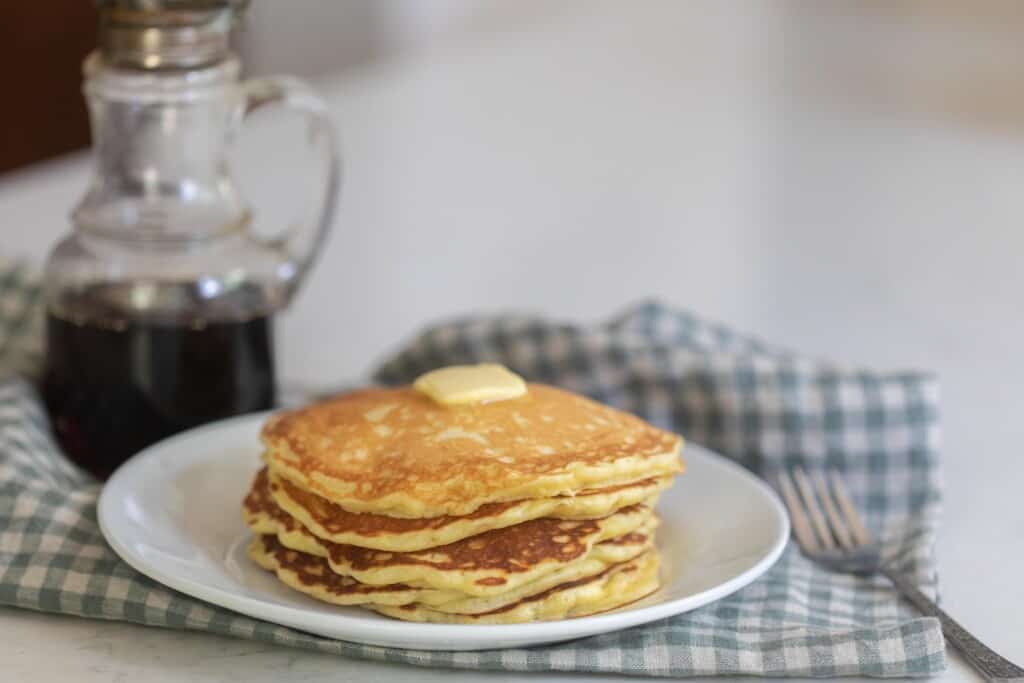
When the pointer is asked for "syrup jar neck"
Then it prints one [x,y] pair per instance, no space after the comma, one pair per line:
[166,34]
[160,144]
[164,101]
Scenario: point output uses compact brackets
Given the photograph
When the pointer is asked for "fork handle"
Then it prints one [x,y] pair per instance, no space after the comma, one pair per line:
[988,663]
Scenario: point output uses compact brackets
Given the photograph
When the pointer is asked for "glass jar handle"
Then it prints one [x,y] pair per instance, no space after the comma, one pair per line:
[301,243]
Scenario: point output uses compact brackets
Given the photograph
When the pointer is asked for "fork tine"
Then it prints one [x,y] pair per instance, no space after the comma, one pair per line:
[811,503]
[853,520]
[801,525]
[839,529]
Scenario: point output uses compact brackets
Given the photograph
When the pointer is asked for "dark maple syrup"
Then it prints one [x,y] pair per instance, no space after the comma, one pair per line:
[116,384]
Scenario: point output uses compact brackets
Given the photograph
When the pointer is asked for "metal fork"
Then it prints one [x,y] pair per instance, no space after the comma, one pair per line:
[830,531]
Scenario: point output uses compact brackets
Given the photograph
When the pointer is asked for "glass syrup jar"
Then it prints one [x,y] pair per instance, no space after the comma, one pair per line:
[160,302]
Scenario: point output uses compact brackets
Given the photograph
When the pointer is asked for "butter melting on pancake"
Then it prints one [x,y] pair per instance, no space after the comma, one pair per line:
[396,452]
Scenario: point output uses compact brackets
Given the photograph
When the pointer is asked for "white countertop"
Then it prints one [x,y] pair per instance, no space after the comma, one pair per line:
[750,161]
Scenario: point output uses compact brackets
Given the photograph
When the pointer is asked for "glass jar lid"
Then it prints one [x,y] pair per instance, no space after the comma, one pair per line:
[166,34]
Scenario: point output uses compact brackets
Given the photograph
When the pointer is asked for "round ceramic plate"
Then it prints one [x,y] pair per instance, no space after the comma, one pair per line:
[173,513]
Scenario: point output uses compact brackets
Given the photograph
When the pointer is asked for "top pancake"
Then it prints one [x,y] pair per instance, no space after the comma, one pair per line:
[396,452]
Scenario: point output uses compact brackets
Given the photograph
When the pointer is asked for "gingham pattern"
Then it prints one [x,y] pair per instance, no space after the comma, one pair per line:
[20,319]
[764,408]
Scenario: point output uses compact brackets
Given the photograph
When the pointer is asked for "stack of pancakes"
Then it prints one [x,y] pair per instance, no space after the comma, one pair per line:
[536,507]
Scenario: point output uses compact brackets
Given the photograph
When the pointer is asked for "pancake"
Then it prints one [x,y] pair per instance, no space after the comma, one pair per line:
[614,587]
[333,523]
[313,576]
[603,556]
[395,452]
[487,564]
[265,518]
[470,497]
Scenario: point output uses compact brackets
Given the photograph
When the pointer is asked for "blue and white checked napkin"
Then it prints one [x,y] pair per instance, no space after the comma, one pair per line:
[765,408]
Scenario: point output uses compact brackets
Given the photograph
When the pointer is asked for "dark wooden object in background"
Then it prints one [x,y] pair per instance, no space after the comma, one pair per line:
[42,45]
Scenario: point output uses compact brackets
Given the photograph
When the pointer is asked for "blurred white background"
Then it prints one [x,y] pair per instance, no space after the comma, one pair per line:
[844,178]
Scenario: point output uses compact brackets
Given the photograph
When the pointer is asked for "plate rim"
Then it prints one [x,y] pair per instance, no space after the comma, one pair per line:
[534,633]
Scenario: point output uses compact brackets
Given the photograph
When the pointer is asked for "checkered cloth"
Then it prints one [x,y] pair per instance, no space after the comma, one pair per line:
[763,407]
[20,320]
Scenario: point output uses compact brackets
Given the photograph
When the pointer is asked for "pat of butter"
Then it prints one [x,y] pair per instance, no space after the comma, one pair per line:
[465,384]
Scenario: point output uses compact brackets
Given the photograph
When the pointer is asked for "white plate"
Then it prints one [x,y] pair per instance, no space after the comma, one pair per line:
[173,513]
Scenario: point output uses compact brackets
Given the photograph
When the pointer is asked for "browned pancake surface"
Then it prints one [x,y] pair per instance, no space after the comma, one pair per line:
[542,595]
[372,444]
[313,576]
[259,500]
[335,519]
[314,571]
[511,549]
